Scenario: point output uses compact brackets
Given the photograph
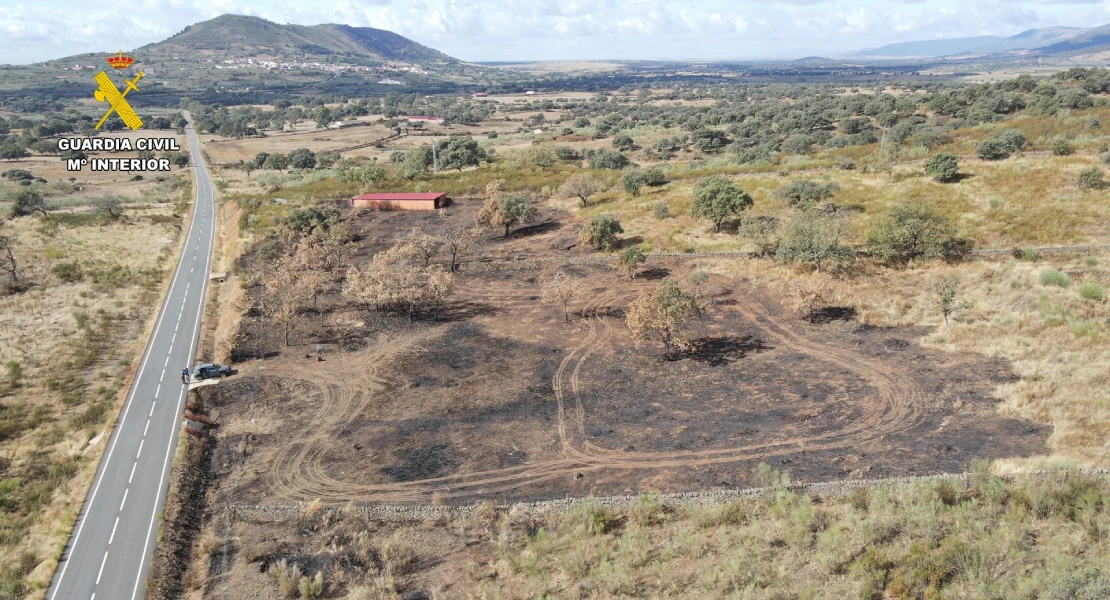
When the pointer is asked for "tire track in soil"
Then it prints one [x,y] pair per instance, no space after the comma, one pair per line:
[300,475]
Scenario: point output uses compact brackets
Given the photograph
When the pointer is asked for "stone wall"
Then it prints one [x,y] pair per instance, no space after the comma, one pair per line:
[270,513]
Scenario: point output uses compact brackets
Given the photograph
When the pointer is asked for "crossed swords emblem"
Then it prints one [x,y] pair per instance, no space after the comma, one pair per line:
[119,105]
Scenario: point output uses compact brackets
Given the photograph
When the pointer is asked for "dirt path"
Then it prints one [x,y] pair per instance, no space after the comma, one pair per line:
[351,382]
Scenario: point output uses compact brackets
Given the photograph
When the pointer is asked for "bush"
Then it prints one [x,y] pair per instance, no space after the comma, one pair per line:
[1091,178]
[1090,584]
[660,210]
[654,177]
[943,167]
[814,238]
[1056,278]
[1092,291]
[69,272]
[914,230]
[803,193]
[1061,147]
[990,149]
[601,232]
[608,159]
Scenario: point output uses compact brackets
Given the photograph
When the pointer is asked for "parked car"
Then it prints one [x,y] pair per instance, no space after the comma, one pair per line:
[210,370]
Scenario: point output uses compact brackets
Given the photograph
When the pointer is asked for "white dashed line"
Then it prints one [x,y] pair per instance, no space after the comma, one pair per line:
[164,370]
[146,428]
[158,391]
[140,452]
[113,536]
[174,338]
[152,408]
[125,490]
[167,363]
[133,465]
[101,571]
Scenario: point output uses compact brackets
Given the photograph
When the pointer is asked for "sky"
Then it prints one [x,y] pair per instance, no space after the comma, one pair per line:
[515,30]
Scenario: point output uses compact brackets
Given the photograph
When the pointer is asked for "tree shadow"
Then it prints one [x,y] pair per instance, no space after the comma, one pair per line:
[829,314]
[531,230]
[717,351]
[653,274]
[631,241]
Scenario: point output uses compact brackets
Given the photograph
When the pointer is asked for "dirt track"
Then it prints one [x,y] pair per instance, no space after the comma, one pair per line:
[343,392]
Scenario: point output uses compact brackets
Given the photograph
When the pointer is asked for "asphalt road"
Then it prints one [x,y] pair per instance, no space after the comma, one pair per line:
[109,551]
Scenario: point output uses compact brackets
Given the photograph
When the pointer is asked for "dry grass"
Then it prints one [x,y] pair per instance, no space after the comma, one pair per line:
[995,538]
[76,344]
[1054,336]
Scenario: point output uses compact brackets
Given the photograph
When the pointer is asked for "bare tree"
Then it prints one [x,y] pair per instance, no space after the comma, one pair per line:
[8,263]
[581,186]
[438,286]
[110,204]
[563,289]
[457,240]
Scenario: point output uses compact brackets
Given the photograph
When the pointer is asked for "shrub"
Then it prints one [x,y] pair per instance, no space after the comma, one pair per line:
[646,510]
[943,167]
[1092,291]
[914,230]
[591,518]
[1090,584]
[608,159]
[814,238]
[1056,278]
[991,149]
[660,210]
[654,176]
[1061,147]
[1091,178]
[803,193]
[68,272]
[601,232]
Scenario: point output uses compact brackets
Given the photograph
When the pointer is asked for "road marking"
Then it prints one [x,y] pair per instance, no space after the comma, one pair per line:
[173,424]
[146,428]
[101,571]
[125,490]
[137,454]
[133,465]
[158,391]
[152,408]
[113,536]
[174,339]
[164,370]
[88,504]
[167,363]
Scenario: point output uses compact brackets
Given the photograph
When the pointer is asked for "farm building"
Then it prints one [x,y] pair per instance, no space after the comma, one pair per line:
[424,118]
[425,201]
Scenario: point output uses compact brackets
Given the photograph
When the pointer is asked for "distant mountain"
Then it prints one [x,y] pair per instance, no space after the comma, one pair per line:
[987,44]
[235,36]
[1087,40]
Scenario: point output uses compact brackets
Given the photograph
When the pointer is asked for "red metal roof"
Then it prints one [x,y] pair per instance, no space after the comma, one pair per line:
[387,196]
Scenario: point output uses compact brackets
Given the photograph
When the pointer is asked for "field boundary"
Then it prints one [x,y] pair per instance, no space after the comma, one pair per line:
[279,513]
[594,259]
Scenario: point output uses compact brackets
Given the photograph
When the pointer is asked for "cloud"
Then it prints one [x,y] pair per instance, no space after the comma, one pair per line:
[526,29]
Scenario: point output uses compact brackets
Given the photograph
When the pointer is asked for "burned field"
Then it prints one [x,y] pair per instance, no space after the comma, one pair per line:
[501,399]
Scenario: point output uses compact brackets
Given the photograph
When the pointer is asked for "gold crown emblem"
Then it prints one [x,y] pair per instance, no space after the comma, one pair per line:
[120,61]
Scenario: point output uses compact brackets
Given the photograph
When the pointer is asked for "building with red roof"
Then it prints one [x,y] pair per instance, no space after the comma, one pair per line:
[392,201]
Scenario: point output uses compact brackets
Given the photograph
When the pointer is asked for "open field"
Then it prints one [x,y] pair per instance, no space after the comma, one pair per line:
[491,403]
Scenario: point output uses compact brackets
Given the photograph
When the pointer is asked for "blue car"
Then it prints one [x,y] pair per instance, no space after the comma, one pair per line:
[210,370]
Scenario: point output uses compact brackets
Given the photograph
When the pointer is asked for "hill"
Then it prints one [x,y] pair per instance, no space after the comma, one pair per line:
[236,36]
[986,44]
